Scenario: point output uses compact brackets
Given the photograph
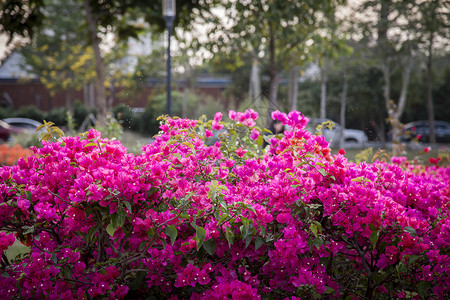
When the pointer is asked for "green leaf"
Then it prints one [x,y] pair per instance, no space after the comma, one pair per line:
[114,220]
[142,245]
[90,144]
[323,172]
[190,145]
[91,232]
[29,196]
[248,240]
[422,287]
[5,274]
[128,206]
[164,243]
[413,258]
[374,237]
[210,246]
[318,242]
[27,229]
[229,235]
[201,235]
[121,217]
[223,218]
[313,228]
[110,229]
[172,232]
[358,179]
[258,242]
[411,231]
[260,141]
[54,259]
[67,273]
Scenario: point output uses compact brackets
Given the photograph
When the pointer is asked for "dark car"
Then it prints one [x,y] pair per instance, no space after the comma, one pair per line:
[421,131]
[7,130]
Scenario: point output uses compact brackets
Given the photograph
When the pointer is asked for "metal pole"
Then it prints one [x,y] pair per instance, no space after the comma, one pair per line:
[169,22]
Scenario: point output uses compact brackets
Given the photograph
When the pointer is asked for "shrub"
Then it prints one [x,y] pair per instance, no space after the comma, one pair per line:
[10,154]
[195,106]
[30,112]
[57,116]
[185,220]
[125,116]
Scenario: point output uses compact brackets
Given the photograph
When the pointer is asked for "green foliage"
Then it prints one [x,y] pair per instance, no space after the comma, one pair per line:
[196,106]
[52,134]
[60,54]
[30,112]
[57,116]
[112,128]
[21,17]
[80,112]
[125,116]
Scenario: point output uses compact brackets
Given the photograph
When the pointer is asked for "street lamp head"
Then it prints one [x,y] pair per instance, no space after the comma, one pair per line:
[169,8]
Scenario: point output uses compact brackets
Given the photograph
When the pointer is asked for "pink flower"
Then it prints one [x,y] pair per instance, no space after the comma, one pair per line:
[240,152]
[218,117]
[216,125]
[284,218]
[255,134]
[6,240]
[23,204]
[232,114]
[208,133]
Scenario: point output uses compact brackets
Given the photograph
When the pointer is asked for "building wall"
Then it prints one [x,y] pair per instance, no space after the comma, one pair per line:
[18,93]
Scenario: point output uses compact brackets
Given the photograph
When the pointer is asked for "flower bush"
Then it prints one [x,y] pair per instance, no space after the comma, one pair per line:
[183,220]
[10,154]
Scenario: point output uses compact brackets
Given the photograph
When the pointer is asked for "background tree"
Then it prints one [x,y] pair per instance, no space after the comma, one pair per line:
[24,18]
[433,25]
[268,29]
[59,54]
[386,29]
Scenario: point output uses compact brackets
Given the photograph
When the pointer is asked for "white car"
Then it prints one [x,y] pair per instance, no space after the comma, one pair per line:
[352,138]
[27,124]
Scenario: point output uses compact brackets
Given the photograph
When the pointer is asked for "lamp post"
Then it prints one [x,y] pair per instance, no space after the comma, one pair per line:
[169,17]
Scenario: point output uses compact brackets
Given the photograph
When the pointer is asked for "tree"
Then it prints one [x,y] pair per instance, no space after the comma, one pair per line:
[59,53]
[386,28]
[21,17]
[24,18]
[270,30]
[434,28]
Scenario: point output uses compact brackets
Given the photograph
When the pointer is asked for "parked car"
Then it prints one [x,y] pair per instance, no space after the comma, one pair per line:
[7,130]
[421,131]
[352,138]
[28,125]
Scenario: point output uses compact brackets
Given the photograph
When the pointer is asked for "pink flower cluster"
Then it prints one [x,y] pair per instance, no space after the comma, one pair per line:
[183,220]
[247,117]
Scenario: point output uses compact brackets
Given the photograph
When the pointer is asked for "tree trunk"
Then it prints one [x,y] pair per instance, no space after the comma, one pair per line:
[255,84]
[430,107]
[293,87]
[342,111]
[274,75]
[99,66]
[69,105]
[323,91]
[273,94]
[396,111]
[386,69]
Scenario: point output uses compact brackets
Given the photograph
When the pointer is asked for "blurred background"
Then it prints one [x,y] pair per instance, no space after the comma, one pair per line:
[379,69]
